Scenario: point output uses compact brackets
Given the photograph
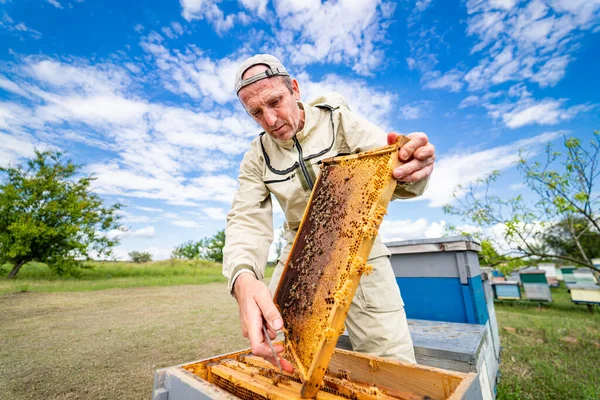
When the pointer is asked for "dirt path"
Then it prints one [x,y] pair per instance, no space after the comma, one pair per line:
[106,344]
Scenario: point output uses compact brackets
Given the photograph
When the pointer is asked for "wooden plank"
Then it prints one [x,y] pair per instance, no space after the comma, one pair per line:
[418,379]
[263,386]
[198,368]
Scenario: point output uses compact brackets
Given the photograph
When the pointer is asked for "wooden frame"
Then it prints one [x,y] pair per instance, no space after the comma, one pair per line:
[317,287]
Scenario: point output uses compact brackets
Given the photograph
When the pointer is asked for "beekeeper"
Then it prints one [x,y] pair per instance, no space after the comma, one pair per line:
[282,161]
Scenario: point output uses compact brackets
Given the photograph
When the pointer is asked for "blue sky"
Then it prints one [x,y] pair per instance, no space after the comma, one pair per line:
[141,92]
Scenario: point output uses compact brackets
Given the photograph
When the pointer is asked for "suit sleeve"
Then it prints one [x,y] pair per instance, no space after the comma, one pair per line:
[249,230]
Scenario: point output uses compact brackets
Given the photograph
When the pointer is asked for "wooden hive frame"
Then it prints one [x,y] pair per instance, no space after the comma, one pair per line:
[329,256]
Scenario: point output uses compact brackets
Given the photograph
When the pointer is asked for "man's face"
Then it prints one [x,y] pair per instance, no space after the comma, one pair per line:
[271,104]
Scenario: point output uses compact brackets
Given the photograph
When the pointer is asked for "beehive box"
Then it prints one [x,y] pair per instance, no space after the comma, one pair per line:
[329,255]
[535,285]
[350,375]
[507,290]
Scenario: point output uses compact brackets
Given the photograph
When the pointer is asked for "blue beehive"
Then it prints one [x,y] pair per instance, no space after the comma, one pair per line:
[507,290]
[440,279]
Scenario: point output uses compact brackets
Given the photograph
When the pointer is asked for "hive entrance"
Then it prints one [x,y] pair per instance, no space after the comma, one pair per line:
[329,256]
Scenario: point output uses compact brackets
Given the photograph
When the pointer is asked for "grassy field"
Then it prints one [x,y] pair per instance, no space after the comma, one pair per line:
[550,351]
[77,342]
[37,277]
[105,344]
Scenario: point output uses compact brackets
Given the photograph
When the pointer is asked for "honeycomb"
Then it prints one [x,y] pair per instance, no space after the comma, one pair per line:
[329,256]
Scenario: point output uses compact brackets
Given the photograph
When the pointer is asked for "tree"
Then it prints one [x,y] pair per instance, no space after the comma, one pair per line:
[140,256]
[559,238]
[204,249]
[49,215]
[189,250]
[213,247]
[560,221]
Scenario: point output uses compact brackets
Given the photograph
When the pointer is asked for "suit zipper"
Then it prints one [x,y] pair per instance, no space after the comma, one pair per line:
[301,163]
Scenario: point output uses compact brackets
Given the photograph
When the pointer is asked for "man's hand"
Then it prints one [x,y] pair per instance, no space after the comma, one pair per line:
[256,306]
[417,155]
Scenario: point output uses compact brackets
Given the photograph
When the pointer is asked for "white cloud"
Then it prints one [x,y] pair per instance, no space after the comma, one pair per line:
[302,32]
[13,148]
[173,31]
[159,253]
[146,232]
[514,41]
[17,28]
[55,3]
[215,213]
[451,80]
[422,5]
[186,223]
[526,40]
[373,103]
[258,7]
[127,217]
[517,108]
[392,230]
[305,33]
[423,45]
[150,209]
[469,101]
[211,12]
[468,166]
[544,112]
[192,73]
[414,110]
[164,152]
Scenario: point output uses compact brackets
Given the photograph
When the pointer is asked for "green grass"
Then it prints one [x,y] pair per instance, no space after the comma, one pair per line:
[549,351]
[553,352]
[37,277]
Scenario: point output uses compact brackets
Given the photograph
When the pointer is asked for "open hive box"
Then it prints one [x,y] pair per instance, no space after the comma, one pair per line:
[329,256]
[350,375]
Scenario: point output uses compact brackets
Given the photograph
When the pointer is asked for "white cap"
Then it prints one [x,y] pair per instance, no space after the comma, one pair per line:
[276,68]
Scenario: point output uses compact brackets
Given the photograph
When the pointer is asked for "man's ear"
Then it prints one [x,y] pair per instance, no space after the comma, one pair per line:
[296,89]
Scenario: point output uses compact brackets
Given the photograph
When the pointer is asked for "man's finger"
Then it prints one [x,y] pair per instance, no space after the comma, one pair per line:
[420,174]
[269,310]
[425,152]
[286,365]
[405,172]
[272,333]
[417,139]
[254,323]
[391,138]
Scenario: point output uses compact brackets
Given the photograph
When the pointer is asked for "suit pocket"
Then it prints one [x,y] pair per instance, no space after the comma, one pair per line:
[379,291]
